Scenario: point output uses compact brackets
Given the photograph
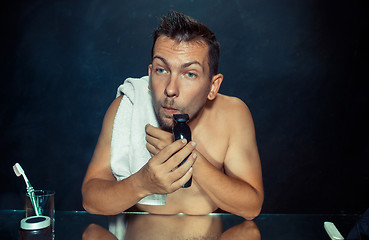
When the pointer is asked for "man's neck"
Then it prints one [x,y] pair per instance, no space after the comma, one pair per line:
[200,117]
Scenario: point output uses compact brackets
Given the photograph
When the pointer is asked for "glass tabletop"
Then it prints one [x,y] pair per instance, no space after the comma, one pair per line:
[135,225]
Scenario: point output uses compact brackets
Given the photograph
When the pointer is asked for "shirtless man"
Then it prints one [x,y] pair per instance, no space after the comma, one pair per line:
[224,160]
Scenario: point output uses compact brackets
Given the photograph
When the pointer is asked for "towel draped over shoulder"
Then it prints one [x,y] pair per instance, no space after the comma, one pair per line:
[128,145]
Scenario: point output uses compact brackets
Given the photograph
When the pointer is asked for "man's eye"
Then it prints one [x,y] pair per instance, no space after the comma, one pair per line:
[161,70]
[191,75]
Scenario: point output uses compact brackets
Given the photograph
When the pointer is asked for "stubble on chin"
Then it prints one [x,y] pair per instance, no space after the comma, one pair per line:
[166,123]
[167,126]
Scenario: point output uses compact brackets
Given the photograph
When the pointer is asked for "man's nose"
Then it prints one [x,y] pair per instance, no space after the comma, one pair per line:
[171,89]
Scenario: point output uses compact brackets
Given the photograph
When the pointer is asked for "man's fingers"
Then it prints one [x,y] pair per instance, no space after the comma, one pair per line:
[153,151]
[176,159]
[149,129]
[169,150]
[156,132]
[158,137]
[180,171]
[166,174]
[151,140]
[182,181]
[155,142]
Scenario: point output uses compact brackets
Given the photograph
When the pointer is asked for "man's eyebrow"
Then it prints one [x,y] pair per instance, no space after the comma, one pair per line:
[162,59]
[185,65]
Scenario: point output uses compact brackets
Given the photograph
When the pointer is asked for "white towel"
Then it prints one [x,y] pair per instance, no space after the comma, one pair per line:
[128,145]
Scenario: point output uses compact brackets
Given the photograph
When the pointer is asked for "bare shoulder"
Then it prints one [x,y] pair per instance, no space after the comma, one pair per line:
[231,103]
[107,128]
[233,110]
[112,110]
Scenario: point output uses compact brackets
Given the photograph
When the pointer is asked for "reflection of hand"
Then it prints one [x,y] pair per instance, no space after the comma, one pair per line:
[157,139]
[246,230]
[161,174]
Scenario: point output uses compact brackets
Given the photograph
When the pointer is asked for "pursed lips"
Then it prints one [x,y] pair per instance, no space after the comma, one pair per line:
[170,110]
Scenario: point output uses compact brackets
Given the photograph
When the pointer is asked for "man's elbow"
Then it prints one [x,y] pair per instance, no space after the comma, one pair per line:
[89,208]
[251,214]
[87,204]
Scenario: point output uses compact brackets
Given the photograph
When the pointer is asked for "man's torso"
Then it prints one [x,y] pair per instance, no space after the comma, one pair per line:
[212,137]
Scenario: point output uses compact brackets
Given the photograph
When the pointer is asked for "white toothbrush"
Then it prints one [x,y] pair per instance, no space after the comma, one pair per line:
[18,170]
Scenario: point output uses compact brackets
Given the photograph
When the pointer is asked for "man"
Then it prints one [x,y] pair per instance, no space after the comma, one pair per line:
[223,157]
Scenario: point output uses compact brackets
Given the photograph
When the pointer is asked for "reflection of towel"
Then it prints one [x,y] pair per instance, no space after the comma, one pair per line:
[118,226]
[128,144]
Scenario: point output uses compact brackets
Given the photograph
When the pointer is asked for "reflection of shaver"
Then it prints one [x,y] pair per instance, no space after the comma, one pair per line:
[182,130]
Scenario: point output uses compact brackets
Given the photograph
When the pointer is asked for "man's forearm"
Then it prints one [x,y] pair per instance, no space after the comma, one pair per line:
[108,197]
[228,193]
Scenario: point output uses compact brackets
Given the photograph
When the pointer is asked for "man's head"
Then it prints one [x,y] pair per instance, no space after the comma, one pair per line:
[182,28]
[181,77]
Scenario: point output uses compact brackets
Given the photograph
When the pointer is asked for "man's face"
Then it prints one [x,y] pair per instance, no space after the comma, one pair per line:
[179,79]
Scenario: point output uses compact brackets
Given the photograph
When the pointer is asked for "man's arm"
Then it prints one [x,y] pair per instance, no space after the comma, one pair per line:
[102,194]
[240,189]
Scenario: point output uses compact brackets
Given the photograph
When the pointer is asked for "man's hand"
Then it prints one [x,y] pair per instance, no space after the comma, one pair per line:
[162,175]
[157,139]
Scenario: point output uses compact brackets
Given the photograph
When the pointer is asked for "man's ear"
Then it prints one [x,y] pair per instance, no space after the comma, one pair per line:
[216,81]
[149,73]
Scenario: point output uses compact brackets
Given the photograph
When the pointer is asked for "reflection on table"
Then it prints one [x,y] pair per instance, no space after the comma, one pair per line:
[147,226]
[75,224]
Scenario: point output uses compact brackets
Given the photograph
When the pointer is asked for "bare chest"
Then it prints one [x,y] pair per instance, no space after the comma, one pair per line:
[213,146]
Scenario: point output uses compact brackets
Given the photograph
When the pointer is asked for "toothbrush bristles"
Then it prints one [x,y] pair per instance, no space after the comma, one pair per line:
[17,169]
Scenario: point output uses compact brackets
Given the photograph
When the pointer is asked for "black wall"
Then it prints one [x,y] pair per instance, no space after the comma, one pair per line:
[301,66]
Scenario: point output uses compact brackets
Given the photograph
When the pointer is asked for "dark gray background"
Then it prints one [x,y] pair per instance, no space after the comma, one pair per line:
[301,66]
